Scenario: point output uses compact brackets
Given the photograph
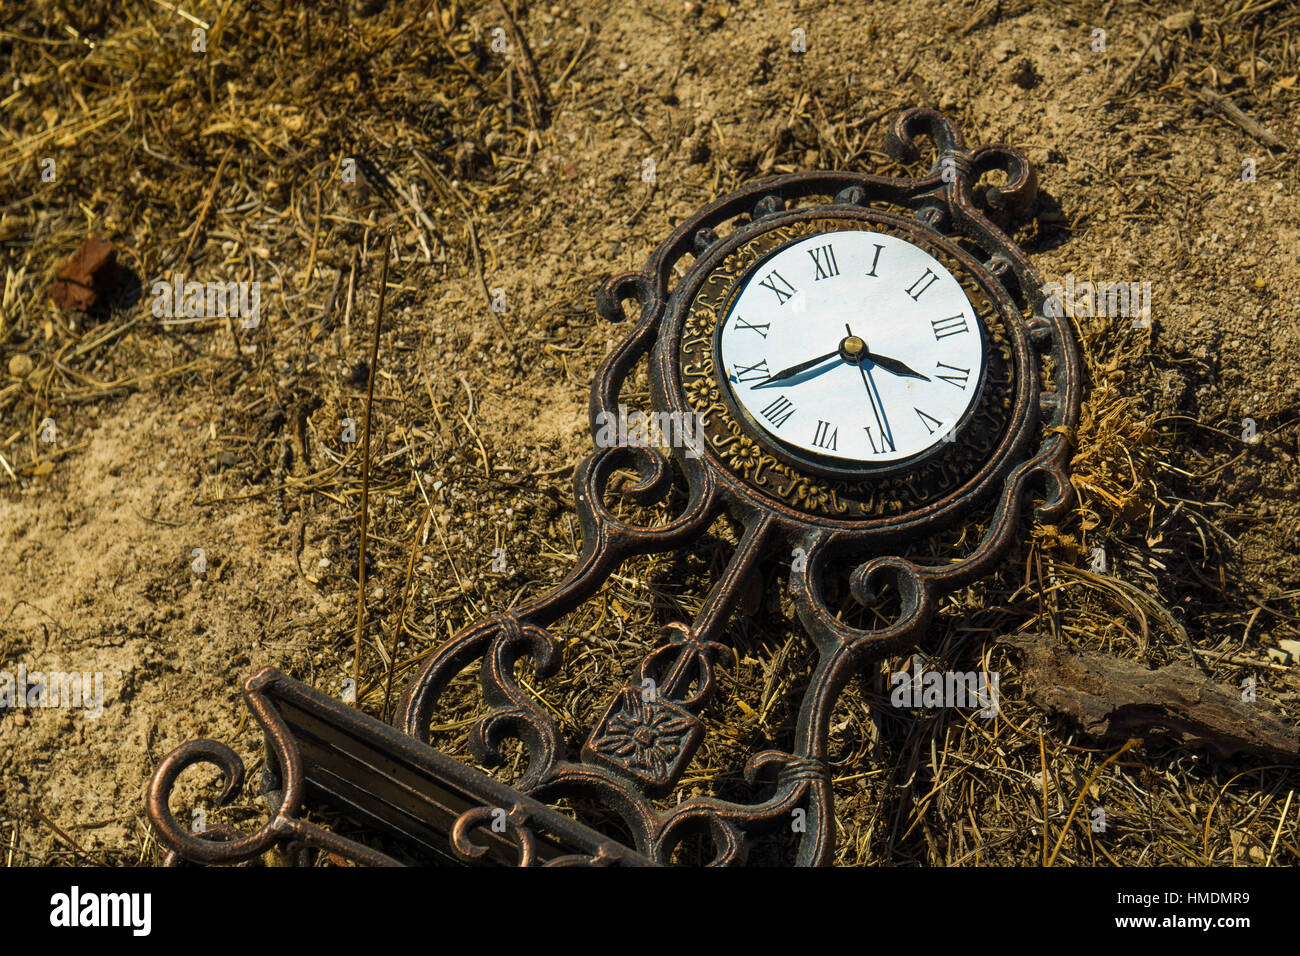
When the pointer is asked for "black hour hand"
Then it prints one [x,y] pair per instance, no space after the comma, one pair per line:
[895,366]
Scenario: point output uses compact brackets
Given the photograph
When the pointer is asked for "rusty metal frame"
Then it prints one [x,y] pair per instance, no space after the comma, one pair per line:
[640,747]
[429,807]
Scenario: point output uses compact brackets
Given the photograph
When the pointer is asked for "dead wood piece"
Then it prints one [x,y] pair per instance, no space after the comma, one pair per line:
[1113,699]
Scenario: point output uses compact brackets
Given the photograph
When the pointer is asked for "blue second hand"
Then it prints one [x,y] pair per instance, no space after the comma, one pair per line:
[880,403]
[873,395]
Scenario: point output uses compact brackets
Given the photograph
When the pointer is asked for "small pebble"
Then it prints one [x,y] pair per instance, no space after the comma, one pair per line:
[20,366]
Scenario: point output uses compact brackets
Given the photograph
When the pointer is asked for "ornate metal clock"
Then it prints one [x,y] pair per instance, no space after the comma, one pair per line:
[870,363]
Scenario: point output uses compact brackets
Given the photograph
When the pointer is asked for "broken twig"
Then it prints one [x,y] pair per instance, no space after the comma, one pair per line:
[1233,112]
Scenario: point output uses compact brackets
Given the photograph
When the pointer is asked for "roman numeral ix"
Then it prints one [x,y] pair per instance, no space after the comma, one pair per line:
[751,373]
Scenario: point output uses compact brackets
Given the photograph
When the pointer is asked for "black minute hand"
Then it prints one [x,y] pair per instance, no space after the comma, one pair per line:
[795,369]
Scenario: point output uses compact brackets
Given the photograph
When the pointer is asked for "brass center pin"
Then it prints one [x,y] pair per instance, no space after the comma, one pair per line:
[852,348]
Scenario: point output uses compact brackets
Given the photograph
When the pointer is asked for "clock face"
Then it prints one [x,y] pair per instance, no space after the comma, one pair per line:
[853,346]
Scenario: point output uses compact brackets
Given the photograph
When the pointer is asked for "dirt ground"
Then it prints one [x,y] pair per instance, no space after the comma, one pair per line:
[196,515]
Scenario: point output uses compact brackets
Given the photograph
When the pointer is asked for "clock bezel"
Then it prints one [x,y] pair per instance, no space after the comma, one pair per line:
[929,490]
[827,465]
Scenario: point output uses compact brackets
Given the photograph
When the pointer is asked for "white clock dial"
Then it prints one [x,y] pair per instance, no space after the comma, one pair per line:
[856,346]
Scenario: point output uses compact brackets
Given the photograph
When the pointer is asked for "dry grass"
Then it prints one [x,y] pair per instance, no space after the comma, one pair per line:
[230,165]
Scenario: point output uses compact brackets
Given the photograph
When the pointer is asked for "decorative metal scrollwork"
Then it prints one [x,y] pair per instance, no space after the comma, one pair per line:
[641,745]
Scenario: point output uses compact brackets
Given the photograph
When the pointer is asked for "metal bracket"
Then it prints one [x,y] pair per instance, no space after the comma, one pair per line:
[434,810]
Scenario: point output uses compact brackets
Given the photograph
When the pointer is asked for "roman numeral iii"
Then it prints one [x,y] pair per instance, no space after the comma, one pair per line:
[823,258]
[953,325]
[779,412]
[777,284]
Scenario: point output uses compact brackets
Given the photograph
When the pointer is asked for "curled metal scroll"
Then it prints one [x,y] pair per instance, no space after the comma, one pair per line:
[227,845]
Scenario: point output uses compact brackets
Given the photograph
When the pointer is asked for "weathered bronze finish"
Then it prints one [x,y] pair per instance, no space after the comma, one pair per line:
[1018,439]
[432,809]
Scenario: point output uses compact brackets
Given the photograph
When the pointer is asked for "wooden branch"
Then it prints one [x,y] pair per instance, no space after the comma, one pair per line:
[1113,699]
